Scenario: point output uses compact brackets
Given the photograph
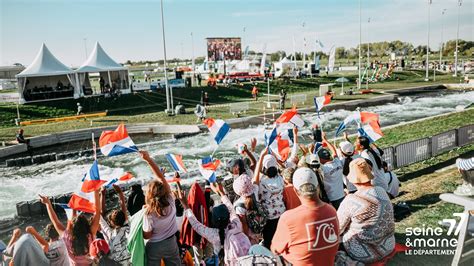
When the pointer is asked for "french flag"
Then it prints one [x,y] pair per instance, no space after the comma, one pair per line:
[176,162]
[320,102]
[116,142]
[218,128]
[269,138]
[292,117]
[91,180]
[282,144]
[66,209]
[208,168]
[372,131]
[81,201]
[358,117]
[126,177]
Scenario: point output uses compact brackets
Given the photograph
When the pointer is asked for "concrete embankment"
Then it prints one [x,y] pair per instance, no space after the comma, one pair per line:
[85,134]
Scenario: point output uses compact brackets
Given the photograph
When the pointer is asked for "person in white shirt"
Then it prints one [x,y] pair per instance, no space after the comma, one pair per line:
[392,182]
[333,177]
[53,247]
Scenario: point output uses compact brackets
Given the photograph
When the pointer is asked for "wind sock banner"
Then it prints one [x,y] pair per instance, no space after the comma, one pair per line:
[116,142]
[218,128]
[208,168]
[91,180]
[176,162]
[290,116]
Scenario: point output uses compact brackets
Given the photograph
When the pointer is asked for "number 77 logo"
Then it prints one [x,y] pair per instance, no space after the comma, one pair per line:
[452,223]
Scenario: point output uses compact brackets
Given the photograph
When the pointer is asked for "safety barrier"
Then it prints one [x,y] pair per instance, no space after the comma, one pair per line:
[238,108]
[425,148]
[62,119]
[298,98]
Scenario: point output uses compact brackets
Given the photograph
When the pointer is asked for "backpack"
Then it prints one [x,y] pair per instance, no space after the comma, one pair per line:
[256,217]
[236,245]
[255,260]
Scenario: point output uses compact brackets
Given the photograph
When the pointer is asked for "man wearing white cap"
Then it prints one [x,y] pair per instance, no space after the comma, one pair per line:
[308,234]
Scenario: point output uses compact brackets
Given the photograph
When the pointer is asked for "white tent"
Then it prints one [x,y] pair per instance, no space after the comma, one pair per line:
[113,74]
[284,67]
[46,78]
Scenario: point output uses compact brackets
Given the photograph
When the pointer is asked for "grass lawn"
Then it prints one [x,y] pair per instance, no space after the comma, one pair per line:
[422,195]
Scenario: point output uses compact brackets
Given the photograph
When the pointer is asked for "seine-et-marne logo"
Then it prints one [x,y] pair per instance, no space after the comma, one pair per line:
[431,240]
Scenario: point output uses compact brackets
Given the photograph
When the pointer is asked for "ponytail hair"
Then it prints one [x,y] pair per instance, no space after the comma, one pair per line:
[347,161]
[364,142]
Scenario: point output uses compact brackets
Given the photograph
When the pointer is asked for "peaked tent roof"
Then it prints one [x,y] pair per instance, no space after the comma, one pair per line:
[99,61]
[45,64]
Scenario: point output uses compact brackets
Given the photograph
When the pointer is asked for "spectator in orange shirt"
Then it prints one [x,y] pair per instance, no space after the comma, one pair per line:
[255,93]
[315,243]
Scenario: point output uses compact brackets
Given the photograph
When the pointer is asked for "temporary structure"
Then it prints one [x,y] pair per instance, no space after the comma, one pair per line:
[46,78]
[114,74]
[342,80]
[285,67]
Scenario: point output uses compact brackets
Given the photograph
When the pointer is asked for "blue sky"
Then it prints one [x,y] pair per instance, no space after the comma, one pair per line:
[132,29]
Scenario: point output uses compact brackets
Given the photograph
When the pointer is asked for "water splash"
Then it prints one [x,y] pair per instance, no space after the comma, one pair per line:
[21,184]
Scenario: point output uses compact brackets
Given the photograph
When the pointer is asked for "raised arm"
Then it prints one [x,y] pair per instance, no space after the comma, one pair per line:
[96,219]
[346,137]
[103,193]
[330,145]
[123,206]
[43,243]
[52,215]
[258,168]
[155,169]
[253,161]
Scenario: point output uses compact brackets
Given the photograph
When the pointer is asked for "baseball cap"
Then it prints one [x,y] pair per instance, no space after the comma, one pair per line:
[269,161]
[98,246]
[313,160]
[324,154]
[304,175]
[346,147]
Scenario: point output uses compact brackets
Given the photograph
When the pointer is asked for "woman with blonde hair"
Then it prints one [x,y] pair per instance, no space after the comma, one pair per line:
[159,221]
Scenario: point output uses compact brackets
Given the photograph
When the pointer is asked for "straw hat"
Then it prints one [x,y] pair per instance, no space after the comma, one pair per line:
[359,171]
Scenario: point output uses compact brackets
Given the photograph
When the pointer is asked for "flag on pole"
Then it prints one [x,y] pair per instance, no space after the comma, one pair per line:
[176,162]
[116,142]
[372,131]
[320,102]
[358,117]
[81,201]
[91,180]
[292,117]
[66,209]
[282,145]
[208,168]
[126,177]
[271,137]
[218,128]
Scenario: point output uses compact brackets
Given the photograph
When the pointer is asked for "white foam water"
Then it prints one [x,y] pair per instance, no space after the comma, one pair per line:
[25,183]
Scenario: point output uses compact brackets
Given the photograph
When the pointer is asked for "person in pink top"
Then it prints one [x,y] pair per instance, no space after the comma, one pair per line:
[308,234]
[79,232]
